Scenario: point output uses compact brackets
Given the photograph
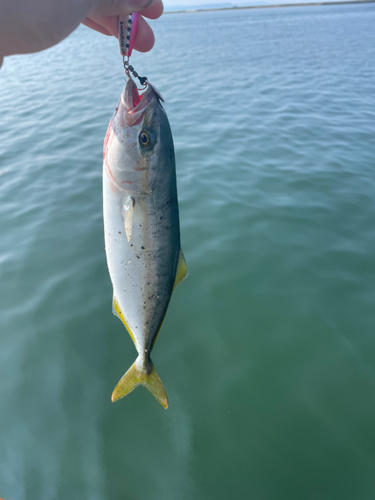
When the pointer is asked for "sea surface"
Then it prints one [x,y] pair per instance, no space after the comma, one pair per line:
[267,352]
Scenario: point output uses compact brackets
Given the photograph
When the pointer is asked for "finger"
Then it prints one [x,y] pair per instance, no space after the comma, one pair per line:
[119,7]
[108,23]
[153,11]
[136,5]
[95,26]
[145,39]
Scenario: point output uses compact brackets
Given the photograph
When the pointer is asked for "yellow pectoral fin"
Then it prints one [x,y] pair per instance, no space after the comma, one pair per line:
[182,270]
[117,312]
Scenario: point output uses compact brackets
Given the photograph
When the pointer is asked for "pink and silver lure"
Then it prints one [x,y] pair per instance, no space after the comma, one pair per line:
[127,30]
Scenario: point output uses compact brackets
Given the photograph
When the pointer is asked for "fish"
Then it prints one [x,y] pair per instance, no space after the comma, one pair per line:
[141,226]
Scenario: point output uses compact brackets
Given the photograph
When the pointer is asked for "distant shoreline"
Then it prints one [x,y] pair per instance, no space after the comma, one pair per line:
[312,4]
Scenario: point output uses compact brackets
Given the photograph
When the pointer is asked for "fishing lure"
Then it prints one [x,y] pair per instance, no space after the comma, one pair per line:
[127,30]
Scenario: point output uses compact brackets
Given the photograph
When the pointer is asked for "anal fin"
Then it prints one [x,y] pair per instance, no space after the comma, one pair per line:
[117,312]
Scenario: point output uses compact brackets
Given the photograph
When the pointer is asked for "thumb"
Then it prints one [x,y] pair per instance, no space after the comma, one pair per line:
[134,5]
[118,7]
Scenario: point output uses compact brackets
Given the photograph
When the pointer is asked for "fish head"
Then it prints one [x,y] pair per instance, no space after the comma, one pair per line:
[144,138]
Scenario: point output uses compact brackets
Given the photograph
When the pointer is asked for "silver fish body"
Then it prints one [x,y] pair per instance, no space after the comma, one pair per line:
[141,225]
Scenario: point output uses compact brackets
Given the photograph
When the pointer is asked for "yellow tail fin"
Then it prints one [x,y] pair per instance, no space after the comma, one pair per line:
[141,374]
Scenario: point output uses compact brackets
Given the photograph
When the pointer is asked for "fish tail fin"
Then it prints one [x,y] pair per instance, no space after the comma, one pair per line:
[142,372]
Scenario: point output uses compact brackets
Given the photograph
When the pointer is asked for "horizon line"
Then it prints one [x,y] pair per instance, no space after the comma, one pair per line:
[236,7]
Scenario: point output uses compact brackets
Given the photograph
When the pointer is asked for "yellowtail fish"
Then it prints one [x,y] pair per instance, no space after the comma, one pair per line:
[141,225]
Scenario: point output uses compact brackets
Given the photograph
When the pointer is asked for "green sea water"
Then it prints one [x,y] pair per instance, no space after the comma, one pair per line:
[267,352]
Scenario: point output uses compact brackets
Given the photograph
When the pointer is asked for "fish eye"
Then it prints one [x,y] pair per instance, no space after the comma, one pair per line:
[146,139]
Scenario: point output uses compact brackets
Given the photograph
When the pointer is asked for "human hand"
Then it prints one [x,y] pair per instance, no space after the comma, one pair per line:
[105,19]
[34,25]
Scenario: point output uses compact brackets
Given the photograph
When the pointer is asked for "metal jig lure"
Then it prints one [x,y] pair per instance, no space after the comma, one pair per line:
[127,30]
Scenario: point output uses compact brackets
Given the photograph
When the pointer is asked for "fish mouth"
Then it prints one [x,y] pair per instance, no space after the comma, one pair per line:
[136,104]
